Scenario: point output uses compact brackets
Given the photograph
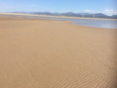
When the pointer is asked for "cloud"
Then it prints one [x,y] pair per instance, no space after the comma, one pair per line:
[110,12]
[107,10]
[88,11]
[31,5]
[5,7]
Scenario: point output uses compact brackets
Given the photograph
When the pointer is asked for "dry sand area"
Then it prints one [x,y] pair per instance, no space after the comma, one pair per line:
[56,54]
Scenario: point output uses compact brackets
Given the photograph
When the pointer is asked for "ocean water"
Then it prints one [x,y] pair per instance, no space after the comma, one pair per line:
[87,22]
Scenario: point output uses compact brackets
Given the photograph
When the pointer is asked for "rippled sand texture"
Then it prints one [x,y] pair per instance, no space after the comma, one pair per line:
[56,54]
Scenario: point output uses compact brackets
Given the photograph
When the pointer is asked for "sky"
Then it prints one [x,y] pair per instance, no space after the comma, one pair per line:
[91,6]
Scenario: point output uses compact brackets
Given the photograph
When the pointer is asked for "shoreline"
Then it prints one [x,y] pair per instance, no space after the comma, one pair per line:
[30,16]
[22,14]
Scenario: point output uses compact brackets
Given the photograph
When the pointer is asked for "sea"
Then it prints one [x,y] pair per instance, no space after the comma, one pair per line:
[97,23]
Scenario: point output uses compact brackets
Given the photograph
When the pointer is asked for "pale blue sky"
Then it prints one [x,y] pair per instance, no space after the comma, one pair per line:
[105,6]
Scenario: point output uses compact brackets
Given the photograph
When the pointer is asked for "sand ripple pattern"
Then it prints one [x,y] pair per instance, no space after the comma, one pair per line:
[56,54]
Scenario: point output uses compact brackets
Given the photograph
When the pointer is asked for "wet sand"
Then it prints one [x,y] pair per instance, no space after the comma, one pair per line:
[56,54]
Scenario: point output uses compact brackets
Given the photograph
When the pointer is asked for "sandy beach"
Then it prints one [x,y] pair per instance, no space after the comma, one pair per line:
[38,53]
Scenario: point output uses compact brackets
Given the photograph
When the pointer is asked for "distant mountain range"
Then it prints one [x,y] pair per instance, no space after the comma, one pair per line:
[71,14]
